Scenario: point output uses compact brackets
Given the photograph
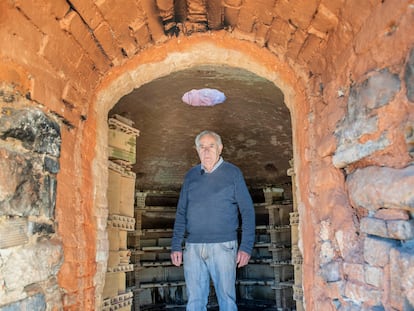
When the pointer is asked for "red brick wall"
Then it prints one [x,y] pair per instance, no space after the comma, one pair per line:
[61,57]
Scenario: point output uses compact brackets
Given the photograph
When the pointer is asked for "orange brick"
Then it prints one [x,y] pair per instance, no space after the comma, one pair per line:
[36,10]
[325,20]
[104,35]
[21,42]
[231,16]
[300,12]
[295,45]
[355,12]
[280,33]
[152,18]
[45,89]
[310,47]
[261,9]
[246,20]
[73,24]
[89,12]
[111,10]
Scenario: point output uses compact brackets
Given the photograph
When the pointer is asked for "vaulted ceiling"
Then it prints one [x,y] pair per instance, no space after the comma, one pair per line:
[253,121]
[78,43]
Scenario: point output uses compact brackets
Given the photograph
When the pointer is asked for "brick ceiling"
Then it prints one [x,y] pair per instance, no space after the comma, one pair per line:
[253,121]
[82,42]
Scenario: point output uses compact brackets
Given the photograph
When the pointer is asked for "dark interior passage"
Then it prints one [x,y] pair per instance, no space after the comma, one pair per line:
[255,127]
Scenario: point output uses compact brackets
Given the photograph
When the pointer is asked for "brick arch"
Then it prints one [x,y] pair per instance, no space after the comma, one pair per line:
[179,54]
[338,45]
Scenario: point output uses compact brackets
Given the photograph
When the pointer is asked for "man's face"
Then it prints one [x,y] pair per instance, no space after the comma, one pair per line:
[209,151]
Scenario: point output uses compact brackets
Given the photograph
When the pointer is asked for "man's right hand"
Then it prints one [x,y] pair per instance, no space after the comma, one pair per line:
[176,258]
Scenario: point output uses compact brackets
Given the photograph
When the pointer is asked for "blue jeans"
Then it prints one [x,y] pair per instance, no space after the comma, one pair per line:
[215,260]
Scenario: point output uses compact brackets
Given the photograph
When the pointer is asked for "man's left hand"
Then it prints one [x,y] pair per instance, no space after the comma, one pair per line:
[242,259]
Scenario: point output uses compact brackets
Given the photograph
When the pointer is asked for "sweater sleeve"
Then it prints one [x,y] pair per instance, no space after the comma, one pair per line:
[180,221]
[247,213]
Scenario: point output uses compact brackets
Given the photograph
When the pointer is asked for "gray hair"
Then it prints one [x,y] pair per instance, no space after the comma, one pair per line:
[211,133]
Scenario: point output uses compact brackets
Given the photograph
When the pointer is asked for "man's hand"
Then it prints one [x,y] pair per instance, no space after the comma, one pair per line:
[242,259]
[176,258]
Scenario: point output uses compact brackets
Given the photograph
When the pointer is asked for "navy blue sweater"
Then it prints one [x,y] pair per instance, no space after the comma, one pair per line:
[209,205]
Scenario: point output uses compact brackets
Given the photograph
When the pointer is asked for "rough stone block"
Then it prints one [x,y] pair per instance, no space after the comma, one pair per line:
[33,128]
[381,187]
[409,77]
[36,302]
[27,190]
[401,229]
[375,92]
[392,214]
[327,252]
[374,276]
[354,272]
[360,293]
[374,226]
[377,250]
[402,279]
[30,264]
[378,90]
[331,272]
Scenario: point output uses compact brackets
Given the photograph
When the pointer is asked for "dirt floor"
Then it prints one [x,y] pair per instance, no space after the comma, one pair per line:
[241,307]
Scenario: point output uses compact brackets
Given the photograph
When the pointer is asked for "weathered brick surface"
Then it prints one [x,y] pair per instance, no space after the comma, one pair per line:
[39,11]
[246,19]
[89,12]
[331,46]
[30,39]
[309,53]
[77,28]
[280,30]
[324,20]
[384,17]
[103,33]
[215,15]
[231,15]
[111,12]
[155,29]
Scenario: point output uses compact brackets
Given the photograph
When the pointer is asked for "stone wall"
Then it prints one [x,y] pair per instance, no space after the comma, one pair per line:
[31,253]
[364,219]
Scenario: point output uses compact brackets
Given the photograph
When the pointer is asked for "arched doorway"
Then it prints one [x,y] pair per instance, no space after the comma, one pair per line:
[137,74]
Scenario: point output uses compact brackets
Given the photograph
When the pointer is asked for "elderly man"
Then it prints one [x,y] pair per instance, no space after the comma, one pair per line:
[212,197]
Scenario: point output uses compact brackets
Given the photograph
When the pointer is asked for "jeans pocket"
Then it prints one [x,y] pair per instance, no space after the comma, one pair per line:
[229,246]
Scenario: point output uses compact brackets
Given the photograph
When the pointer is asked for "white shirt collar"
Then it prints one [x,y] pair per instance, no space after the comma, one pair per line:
[214,167]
